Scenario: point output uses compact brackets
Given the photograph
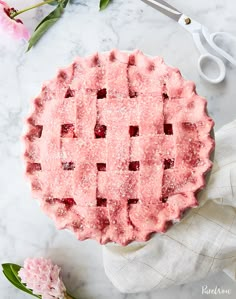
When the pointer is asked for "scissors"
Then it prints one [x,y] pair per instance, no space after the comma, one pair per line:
[198,31]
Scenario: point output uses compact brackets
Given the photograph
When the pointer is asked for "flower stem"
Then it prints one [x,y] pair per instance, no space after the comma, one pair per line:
[13,15]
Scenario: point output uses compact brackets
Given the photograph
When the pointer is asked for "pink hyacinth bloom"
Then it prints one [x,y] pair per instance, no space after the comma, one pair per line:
[14,27]
[43,278]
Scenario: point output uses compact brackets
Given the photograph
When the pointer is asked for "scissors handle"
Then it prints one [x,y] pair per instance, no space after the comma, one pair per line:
[208,60]
[228,39]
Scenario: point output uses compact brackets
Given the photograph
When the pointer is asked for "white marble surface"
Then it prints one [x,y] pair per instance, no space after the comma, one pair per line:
[24,229]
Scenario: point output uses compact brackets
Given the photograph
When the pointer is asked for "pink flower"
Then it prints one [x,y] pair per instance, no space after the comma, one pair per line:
[43,278]
[14,27]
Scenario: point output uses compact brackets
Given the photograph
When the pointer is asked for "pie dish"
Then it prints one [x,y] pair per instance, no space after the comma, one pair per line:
[117,147]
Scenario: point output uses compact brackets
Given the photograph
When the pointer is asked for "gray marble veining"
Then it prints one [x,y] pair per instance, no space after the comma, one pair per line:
[24,229]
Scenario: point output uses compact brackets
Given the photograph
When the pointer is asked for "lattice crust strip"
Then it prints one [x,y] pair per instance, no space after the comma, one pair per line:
[117,146]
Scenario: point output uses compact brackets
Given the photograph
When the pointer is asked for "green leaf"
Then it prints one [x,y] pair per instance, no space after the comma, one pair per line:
[64,3]
[46,23]
[52,3]
[7,271]
[15,269]
[55,14]
[104,4]
[11,273]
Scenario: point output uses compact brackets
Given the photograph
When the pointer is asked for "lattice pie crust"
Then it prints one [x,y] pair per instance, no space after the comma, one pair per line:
[117,146]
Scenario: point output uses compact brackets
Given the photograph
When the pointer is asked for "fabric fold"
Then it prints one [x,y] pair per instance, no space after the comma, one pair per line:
[203,243]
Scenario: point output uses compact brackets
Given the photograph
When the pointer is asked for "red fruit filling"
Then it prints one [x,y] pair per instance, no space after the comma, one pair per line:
[68,131]
[164,199]
[133,131]
[168,129]
[169,163]
[100,131]
[134,166]
[68,165]
[165,96]
[69,202]
[132,201]
[69,93]
[133,94]
[102,93]
[101,166]
[101,202]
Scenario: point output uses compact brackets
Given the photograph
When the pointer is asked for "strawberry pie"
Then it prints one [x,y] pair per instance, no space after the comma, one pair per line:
[117,147]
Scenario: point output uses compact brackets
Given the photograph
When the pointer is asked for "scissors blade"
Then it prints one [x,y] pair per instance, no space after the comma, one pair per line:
[165,8]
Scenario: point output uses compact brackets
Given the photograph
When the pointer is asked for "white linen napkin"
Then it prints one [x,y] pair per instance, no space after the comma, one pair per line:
[203,243]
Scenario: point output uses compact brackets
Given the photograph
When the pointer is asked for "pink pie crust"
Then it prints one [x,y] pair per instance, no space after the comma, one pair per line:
[117,147]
